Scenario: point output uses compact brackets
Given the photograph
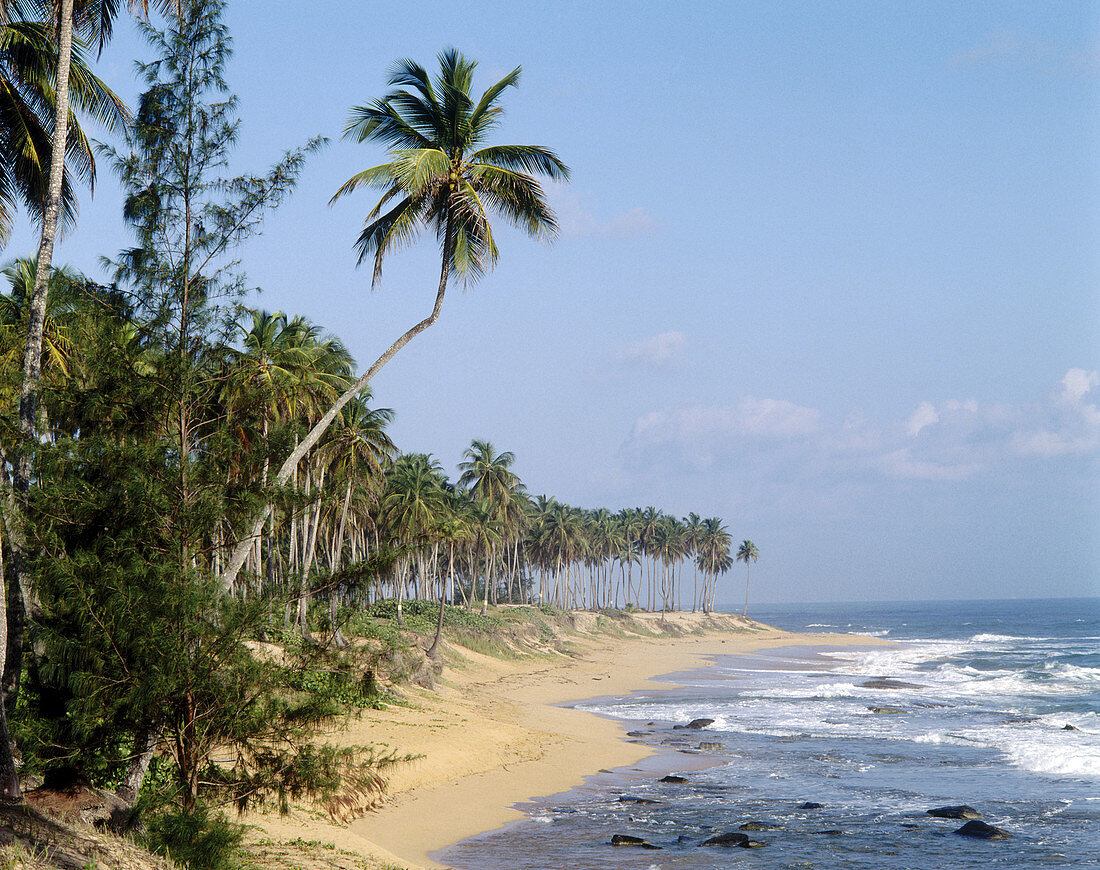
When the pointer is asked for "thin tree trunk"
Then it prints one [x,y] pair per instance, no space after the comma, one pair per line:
[745,612]
[236,560]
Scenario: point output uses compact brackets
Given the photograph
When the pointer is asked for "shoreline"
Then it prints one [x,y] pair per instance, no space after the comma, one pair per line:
[493,734]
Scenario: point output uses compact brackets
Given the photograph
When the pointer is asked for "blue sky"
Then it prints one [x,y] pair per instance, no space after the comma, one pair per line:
[829,271]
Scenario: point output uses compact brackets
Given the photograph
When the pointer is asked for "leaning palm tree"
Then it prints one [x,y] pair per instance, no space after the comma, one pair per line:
[441,176]
[746,553]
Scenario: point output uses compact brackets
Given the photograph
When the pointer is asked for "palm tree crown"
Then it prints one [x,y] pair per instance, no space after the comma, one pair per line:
[441,173]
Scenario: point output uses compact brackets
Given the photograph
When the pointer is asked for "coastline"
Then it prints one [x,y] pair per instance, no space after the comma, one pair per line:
[491,734]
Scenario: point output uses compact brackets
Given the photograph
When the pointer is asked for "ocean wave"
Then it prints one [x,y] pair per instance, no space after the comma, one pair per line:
[1005,638]
[1074,759]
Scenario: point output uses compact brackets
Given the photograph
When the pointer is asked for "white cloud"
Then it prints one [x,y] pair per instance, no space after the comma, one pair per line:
[925,415]
[959,438]
[578,218]
[900,463]
[1077,383]
[1069,427]
[654,351]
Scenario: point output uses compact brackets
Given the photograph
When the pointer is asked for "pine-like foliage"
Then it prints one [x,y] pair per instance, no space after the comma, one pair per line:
[142,646]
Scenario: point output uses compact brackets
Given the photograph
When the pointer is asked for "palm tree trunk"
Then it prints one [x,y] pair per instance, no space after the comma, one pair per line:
[240,552]
[745,612]
[32,363]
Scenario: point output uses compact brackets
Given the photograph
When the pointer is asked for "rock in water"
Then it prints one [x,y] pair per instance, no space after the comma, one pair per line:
[637,800]
[730,839]
[889,711]
[758,826]
[1069,728]
[673,778]
[889,683]
[983,831]
[960,812]
[627,840]
[709,746]
[810,805]
[700,723]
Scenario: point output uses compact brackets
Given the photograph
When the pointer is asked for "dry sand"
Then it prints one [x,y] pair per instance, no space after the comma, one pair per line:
[490,736]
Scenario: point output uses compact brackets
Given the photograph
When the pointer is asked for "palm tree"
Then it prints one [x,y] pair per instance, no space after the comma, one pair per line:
[415,499]
[746,553]
[97,17]
[27,66]
[443,177]
[713,557]
[488,476]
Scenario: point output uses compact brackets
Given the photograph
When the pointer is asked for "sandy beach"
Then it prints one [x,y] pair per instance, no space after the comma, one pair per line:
[490,735]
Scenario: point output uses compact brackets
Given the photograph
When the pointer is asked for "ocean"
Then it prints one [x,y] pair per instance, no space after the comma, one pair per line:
[974,710]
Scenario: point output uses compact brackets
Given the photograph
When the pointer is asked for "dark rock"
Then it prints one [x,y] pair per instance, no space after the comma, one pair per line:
[833,833]
[759,826]
[683,838]
[890,711]
[637,800]
[983,831]
[888,683]
[909,827]
[810,805]
[679,727]
[962,811]
[707,745]
[729,839]
[1069,728]
[636,733]
[696,724]
[627,840]
[673,778]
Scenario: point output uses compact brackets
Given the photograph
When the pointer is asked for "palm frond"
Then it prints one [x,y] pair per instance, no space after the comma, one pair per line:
[483,116]
[525,158]
[519,198]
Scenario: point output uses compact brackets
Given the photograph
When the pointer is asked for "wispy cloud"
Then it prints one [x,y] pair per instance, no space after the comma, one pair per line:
[578,216]
[951,440]
[1014,47]
[657,350]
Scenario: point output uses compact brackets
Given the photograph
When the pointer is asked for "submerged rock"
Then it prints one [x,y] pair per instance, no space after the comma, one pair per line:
[811,805]
[834,832]
[889,683]
[637,800]
[707,745]
[983,831]
[962,811]
[1068,727]
[759,826]
[890,711]
[732,838]
[673,778]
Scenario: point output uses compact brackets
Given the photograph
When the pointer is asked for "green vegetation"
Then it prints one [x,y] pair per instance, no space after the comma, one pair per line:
[211,547]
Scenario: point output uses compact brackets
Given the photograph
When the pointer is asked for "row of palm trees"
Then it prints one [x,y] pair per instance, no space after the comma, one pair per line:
[479,540]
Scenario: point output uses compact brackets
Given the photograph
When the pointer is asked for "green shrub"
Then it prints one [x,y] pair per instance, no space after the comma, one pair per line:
[203,840]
